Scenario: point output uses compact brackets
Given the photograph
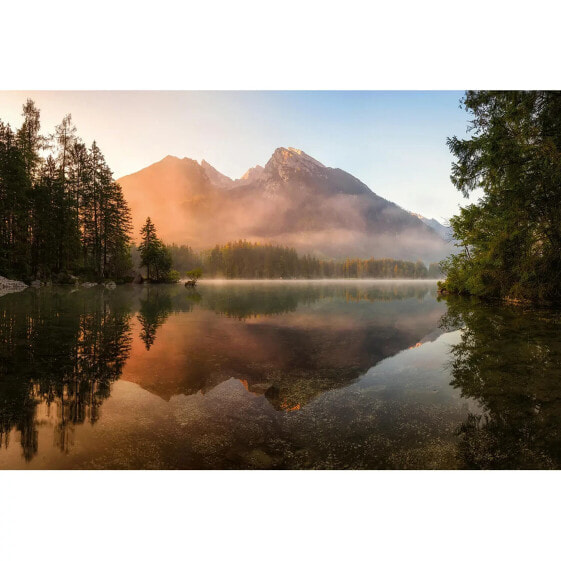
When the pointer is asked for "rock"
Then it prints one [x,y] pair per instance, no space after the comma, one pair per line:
[110,285]
[138,279]
[8,285]
[88,284]
[36,283]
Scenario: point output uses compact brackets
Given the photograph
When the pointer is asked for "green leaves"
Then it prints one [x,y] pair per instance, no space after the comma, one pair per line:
[514,157]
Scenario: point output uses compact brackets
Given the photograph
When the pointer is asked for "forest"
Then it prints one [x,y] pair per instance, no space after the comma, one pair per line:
[248,260]
[62,212]
[510,239]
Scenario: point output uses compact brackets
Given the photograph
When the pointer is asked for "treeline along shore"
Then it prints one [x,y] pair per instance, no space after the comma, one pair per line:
[62,212]
[246,260]
[64,220]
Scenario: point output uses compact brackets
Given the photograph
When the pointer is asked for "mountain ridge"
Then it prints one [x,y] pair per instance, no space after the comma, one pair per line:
[293,200]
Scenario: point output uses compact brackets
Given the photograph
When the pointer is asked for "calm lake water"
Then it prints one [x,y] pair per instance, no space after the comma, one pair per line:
[363,374]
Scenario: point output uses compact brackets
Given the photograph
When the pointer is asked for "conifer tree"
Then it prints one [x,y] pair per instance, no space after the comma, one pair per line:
[510,240]
[60,214]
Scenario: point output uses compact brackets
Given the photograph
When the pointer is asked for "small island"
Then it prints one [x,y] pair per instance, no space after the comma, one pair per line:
[194,275]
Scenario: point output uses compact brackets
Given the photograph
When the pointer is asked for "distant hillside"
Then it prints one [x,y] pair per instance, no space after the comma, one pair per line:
[294,200]
[445,232]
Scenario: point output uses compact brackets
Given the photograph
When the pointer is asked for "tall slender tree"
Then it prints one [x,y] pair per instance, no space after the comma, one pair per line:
[155,256]
[60,214]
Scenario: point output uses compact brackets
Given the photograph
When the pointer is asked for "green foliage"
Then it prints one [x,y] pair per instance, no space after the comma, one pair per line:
[173,276]
[194,274]
[510,239]
[62,213]
[248,260]
[155,256]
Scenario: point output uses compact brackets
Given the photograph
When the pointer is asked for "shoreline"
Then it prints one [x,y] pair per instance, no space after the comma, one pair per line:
[504,300]
[10,286]
[324,280]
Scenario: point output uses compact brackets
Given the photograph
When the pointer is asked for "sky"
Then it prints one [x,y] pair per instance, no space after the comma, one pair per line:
[394,142]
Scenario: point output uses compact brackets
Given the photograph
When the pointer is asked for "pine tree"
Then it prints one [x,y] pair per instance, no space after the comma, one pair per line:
[14,203]
[116,224]
[29,139]
[61,214]
[155,256]
[149,245]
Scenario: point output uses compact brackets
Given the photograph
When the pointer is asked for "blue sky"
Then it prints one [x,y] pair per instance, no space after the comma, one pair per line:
[395,142]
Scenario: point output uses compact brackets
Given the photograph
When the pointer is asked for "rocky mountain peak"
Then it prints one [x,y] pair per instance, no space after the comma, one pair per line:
[217,178]
[251,175]
[293,158]
[294,200]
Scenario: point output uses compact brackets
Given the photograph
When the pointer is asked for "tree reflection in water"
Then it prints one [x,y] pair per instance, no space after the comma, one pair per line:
[509,360]
[62,351]
[154,310]
[157,303]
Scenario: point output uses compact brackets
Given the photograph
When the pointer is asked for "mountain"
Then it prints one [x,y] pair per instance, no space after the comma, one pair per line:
[217,178]
[293,200]
[445,232]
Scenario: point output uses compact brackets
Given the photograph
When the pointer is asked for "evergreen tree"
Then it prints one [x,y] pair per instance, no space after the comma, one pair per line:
[65,138]
[105,215]
[148,246]
[29,139]
[117,224]
[60,214]
[510,238]
[155,256]
[244,259]
[15,191]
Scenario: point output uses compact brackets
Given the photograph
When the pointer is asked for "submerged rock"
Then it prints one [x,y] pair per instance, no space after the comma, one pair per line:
[110,285]
[88,284]
[8,285]
[36,283]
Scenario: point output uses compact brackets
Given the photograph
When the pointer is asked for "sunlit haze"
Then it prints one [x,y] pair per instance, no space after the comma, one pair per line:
[395,142]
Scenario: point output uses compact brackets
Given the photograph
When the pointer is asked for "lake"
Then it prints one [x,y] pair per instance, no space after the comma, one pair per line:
[276,375]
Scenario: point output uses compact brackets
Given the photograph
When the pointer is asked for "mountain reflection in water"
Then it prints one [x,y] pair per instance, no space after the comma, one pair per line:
[273,375]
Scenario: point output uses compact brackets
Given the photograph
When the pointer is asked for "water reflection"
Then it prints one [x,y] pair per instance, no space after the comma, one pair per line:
[276,375]
[287,341]
[253,299]
[154,311]
[509,360]
[61,350]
